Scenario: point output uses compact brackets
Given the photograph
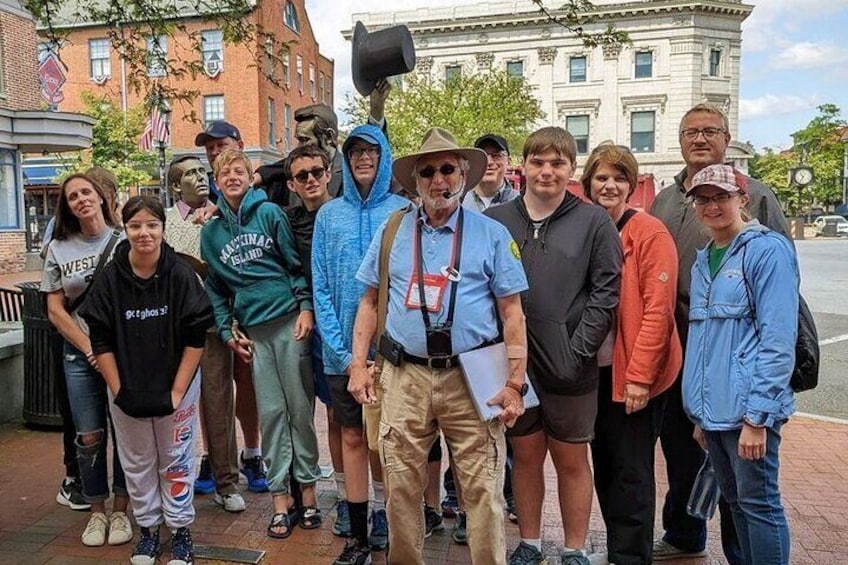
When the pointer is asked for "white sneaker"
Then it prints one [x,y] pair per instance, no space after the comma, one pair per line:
[600,558]
[95,532]
[231,502]
[120,530]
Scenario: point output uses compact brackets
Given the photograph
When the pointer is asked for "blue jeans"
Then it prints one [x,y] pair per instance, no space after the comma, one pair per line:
[90,410]
[751,490]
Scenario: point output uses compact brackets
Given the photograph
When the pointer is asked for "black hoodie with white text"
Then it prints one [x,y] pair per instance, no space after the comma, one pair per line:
[147,324]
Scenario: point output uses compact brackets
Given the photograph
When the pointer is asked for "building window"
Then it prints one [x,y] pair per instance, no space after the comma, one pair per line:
[329,100]
[2,64]
[452,72]
[287,124]
[578,127]
[515,69]
[212,47]
[312,93]
[642,132]
[644,64]
[272,122]
[577,69]
[323,92]
[300,73]
[290,14]
[9,202]
[213,108]
[157,54]
[715,62]
[98,59]
[285,57]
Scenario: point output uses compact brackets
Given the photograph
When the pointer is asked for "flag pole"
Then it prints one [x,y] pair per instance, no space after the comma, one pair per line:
[164,194]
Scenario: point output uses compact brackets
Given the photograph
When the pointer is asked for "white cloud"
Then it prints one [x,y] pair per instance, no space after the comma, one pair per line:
[809,55]
[772,18]
[773,105]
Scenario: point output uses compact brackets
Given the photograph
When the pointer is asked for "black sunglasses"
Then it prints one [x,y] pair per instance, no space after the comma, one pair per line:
[317,173]
[429,172]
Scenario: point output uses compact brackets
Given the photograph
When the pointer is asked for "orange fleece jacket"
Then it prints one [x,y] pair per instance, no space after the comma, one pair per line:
[647,346]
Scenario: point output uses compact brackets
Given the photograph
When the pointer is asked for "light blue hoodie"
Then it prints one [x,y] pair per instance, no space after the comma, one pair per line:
[343,231]
[737,367]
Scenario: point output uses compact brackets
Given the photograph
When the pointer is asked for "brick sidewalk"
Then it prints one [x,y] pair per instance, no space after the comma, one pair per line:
[34,529]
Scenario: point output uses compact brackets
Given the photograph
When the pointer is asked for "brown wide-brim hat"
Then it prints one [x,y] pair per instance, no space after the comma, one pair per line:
[438,140]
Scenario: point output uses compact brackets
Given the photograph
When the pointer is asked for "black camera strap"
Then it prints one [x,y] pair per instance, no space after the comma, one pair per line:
[454,284]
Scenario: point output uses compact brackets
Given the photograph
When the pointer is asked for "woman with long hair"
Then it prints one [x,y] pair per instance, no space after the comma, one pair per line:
[638,362]
[148,315]
[84,232]
[740,355]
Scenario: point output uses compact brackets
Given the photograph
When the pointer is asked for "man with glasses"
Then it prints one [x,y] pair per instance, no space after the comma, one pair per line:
[704,138]
[444,260]
[343,231]
[493,188]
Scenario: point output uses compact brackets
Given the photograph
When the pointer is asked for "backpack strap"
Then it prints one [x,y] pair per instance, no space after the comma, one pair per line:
[386,244]
[748,292]
[104,258]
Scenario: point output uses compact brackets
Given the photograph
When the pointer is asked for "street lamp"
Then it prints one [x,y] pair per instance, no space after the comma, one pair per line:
[162,144]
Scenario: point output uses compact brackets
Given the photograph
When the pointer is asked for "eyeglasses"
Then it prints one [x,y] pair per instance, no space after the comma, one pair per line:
[317,173]
[429,172]
[358,152]
[720,198]
[691,134]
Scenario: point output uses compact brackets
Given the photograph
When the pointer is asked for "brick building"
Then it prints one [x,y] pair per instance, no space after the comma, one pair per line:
[235,86]
[24,127]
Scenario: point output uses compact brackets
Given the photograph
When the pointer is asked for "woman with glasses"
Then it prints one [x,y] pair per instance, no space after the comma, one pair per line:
[263,311]
[740,356]
[639,360]
[148,316]
[84,233]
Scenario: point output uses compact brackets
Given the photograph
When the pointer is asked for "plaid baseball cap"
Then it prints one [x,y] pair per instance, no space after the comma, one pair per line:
[719,176]
[217,130]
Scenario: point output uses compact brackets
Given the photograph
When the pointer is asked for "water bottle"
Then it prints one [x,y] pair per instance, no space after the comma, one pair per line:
[704,496]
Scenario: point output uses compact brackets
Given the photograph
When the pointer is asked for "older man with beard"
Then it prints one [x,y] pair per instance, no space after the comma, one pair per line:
[471,269]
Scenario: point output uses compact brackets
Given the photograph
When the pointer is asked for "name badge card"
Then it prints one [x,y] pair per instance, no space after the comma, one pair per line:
[434,291]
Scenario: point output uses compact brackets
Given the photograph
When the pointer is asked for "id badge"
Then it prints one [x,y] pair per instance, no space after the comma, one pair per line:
[434,290]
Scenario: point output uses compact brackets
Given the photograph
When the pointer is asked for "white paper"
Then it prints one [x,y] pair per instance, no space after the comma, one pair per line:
[486,371]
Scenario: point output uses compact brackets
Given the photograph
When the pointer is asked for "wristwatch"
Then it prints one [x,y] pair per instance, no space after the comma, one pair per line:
[521,389]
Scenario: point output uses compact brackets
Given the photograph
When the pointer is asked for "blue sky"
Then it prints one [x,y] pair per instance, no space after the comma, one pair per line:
[794,58]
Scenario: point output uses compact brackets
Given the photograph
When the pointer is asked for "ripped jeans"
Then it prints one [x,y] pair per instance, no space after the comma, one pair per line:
[90,410]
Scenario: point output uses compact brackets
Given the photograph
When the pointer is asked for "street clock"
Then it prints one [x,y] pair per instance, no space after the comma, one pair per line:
[801,176]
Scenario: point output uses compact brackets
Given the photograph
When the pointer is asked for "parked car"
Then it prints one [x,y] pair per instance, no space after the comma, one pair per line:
[831,226]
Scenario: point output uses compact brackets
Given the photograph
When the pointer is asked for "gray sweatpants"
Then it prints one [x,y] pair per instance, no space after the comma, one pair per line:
[158,460]
[285,399]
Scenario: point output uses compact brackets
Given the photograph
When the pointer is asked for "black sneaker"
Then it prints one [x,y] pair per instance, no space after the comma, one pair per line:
[432,521]
[510,509]
[354,553]
[147,549]
[253,469]
[182,548]
[450,505]
[460,532]
[70,495]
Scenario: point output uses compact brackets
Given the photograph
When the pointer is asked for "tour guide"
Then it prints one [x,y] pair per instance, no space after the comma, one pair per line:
[470,269]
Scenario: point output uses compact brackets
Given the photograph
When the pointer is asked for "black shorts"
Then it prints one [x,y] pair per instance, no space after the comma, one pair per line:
[347,412]
[570,419]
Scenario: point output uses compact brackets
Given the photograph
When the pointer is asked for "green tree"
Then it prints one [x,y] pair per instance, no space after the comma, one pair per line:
[467,106]
[129,22]
[818,146]
[115,142]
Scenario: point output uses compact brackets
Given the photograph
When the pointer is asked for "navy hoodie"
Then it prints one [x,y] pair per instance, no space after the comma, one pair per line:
[146,324]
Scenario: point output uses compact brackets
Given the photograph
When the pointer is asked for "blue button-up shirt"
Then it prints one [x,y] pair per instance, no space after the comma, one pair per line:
[490,268]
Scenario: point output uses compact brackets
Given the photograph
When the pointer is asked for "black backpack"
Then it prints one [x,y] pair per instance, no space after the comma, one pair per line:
[805,375]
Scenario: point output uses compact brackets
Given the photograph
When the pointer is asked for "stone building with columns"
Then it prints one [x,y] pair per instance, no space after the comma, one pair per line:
[682,53]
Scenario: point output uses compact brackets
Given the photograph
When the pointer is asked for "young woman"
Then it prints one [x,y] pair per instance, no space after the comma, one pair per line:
[638,362]
[84,231]
[739,358]
[256,280]
[148,316]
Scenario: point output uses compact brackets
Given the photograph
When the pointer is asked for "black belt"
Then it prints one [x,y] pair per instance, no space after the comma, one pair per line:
[432,362]
[443,362]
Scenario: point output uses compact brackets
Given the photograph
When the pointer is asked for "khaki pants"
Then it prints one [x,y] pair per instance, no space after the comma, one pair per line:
[417,403]
[216,399]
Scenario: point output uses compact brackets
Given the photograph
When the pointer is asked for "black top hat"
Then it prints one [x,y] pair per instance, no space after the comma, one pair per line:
[380,54]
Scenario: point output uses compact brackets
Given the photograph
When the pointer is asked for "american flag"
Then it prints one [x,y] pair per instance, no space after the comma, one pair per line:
[155,130]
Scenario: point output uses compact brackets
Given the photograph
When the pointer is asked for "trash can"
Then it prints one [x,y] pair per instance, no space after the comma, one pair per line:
[41,401]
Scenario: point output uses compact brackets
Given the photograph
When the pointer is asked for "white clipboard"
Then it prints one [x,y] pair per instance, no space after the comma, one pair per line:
[486,371]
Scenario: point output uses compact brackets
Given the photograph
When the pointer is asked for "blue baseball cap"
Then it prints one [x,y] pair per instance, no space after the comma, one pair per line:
[364,136]
[217,130]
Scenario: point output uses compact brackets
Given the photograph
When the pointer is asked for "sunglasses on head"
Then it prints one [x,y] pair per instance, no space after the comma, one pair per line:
[429,172]
[317,173]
